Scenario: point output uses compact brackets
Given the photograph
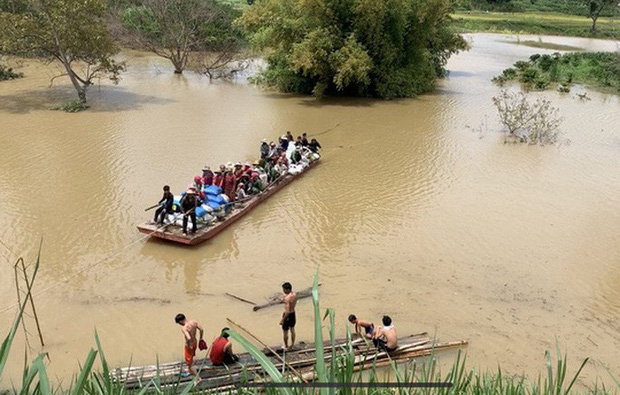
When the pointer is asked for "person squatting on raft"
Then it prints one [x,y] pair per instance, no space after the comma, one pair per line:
[165,206]
[221,350]
[189,202]
[189,329]
[360,324]
[384,337]
[288,319]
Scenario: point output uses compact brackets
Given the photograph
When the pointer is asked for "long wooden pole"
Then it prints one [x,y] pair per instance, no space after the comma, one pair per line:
[268,348]
[34,310]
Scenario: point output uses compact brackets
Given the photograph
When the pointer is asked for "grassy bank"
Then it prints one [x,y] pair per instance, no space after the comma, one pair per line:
[535,23]
[600,70]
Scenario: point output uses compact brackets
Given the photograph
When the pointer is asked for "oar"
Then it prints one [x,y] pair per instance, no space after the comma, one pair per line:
[268,348]
[240,298]
[152,207]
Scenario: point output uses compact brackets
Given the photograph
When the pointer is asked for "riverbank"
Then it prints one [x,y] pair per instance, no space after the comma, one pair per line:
[535,23]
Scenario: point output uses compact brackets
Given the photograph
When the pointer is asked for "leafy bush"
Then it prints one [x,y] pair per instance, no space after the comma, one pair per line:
[7,73]
[72,106]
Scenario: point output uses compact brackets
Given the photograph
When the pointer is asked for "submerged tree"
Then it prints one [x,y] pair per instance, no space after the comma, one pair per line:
[176,29]
[71,32]
[382,48]
[534,122]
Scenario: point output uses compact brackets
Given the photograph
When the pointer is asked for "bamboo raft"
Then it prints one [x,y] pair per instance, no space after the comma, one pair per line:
[302,359]
[175,233]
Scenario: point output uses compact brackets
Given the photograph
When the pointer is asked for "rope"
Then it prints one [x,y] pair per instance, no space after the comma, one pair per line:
[64,280]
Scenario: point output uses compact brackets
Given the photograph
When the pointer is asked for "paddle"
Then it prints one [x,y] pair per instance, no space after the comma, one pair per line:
[152,207]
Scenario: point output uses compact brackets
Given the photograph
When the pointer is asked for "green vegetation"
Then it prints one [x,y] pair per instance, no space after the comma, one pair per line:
[597,69]
[7,73]
[379,48]
[569,7]
[555,381]
[71,32]
[72,106]
[535,23]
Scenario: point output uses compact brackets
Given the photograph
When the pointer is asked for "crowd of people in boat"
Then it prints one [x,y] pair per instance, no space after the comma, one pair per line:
[383,336]
[239,182]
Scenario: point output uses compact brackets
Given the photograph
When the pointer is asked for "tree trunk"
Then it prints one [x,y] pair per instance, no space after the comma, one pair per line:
[593,28]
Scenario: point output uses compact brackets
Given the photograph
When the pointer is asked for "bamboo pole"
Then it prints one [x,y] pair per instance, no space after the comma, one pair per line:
[269,348]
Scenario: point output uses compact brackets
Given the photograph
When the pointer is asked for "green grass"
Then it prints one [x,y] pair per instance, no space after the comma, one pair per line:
[534,23]
[340,369]
[600,70]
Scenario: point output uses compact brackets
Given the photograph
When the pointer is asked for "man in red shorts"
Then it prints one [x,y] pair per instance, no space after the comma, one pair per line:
[189,328]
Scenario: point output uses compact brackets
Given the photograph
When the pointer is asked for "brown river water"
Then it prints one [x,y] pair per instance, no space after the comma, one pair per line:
[418,210]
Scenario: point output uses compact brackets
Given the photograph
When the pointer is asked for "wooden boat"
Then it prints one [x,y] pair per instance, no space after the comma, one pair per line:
[302,359]
[175,233]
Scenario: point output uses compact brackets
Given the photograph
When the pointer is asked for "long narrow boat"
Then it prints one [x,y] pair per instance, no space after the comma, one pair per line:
[175,233]
[302,360]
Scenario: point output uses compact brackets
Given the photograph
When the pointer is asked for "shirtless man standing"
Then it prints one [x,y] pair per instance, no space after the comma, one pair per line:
[288,320]
[385,337]
[360,324]
[188,329]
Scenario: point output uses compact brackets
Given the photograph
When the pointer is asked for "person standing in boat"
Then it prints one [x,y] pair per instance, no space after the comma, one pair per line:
[264,149]
[189,202]
[207,176]
[304,139]
[221,350]
[360,324]
[218,180]
[288,319]
[230,185]
[165,206]
[384,337]
[284,142]
[189,329]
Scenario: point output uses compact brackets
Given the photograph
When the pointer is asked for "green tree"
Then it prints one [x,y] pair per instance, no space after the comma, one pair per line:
[595,7]
[71,32]
[381,48]
[177,29]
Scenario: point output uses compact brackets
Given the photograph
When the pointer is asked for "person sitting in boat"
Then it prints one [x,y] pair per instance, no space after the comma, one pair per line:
[314,146]
[165,206]
[207,176]
[296,155]
[198,183]
[229,185]
[280,168]
[221,350]
[218,180]
[304,139]
[273,149]
[189,202]
[264,149]
[283,143]
[255,186]
[360,325]
[384,337]
[240,195]
[289,136]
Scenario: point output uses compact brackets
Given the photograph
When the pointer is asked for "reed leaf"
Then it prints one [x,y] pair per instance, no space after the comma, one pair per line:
[264,362]
[85,371]
[321,369]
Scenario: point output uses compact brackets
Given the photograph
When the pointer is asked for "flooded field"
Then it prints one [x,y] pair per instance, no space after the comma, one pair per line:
[417,210]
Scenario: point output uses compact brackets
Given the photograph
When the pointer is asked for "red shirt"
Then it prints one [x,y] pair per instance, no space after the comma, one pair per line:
[217,353]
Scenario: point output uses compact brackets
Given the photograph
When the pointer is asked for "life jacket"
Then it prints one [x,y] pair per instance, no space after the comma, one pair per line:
[216,355]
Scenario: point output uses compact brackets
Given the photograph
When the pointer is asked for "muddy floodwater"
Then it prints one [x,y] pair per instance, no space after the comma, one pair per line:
[417,210]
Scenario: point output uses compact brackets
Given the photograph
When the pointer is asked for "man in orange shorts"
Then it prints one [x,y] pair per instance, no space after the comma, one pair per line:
[189,328]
